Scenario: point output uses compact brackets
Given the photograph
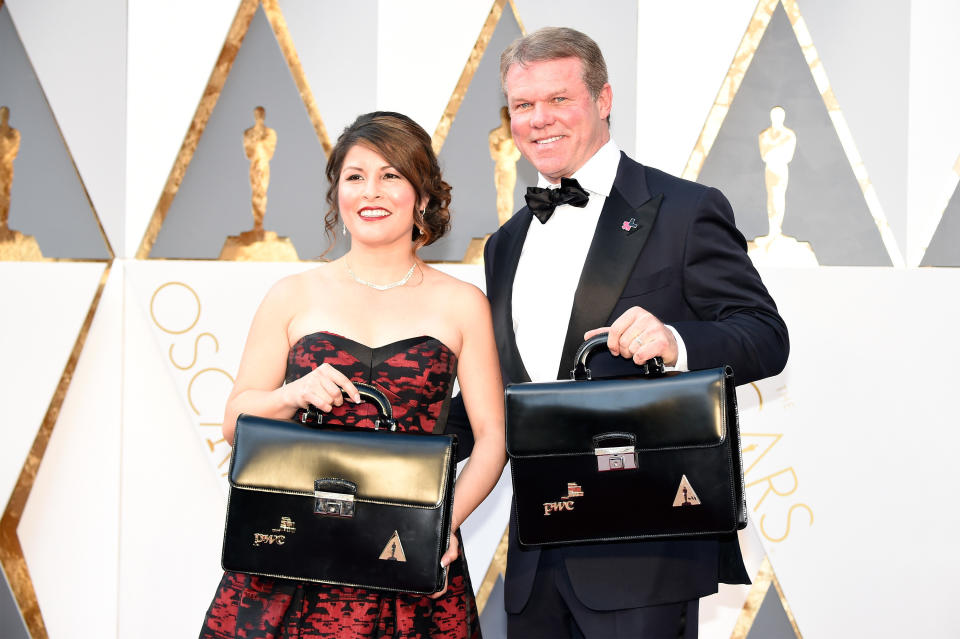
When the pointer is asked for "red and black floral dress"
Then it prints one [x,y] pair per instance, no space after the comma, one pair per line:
[417,375]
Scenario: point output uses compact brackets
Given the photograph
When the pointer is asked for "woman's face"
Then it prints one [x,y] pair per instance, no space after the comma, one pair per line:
[376,203]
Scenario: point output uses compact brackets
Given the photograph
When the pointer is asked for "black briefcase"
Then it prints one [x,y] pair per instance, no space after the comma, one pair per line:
[345,506]
[601,460]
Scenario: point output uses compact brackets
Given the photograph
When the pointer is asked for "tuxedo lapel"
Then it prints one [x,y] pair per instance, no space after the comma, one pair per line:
[505,259]
[622,232]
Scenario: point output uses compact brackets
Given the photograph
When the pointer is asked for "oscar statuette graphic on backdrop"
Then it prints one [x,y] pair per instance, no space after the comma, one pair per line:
[13,244]
[505,154]
[257,244]
[777,146]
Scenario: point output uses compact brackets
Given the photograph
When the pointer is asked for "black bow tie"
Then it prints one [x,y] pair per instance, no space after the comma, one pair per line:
[542,202]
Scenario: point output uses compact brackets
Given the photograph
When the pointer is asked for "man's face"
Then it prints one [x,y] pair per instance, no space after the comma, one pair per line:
[555,122]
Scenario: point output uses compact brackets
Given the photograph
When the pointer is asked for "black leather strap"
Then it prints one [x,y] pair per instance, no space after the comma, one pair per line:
[367,392]
[580,371]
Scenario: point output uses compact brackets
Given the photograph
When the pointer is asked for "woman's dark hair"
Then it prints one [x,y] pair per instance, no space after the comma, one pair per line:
[406,147]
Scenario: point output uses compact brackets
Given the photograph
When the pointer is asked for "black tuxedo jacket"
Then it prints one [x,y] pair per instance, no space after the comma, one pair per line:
[686,263]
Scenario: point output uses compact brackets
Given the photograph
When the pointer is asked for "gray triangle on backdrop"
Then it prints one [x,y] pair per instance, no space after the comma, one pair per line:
[47,198]
[824,203]
[213,200]
[465,156]
[771,621]
[493,619]
[11,621]
[944,247]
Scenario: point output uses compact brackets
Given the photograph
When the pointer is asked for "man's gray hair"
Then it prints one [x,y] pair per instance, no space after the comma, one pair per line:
[553,43]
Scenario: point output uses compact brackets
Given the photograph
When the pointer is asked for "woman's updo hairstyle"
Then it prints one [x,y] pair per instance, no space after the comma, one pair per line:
[406,147]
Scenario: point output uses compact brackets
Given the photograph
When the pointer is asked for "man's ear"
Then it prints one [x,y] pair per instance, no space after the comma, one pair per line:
[605,101]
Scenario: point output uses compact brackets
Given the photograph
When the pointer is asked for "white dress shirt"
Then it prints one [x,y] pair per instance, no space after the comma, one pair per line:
[550,265]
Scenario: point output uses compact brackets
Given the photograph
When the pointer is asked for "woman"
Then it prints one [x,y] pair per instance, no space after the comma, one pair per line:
[378,315]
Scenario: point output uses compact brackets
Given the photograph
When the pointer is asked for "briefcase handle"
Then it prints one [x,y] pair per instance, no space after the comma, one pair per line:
[581,372]
[369,394]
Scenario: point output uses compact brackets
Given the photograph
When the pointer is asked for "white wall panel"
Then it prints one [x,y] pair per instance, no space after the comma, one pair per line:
[172,50]
[70,526]
[684,50]
[44,307]
[171,506]
[868,429]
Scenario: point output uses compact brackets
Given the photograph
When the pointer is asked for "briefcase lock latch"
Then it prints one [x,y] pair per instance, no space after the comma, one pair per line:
[334,504]
[615,458]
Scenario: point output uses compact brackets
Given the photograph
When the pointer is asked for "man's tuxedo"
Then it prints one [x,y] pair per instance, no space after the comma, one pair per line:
[683,260]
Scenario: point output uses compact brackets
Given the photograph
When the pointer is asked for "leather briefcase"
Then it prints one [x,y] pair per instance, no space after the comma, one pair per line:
[347,506]
[600,460]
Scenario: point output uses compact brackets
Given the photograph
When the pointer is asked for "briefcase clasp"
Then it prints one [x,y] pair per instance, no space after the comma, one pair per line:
[333,504]
[334,497]
[616,458]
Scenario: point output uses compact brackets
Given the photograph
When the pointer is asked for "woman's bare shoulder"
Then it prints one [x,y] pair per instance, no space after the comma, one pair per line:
[289,289]
[463,301]
[461,290]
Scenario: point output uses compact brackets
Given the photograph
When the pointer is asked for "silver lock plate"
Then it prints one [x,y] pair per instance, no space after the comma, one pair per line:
[333,504]
[615,458]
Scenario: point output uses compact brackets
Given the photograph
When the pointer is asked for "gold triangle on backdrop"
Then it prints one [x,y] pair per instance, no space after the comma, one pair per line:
[474,251]
[393,551]
[211,94]
[470,68]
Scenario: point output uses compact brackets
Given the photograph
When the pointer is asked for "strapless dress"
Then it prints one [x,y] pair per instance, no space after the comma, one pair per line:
[417,375]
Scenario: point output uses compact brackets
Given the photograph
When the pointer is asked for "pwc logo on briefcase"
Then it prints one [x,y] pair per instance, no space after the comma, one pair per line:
[566,502]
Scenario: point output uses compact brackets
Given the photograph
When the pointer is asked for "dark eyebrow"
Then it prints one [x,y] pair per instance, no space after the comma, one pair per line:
[385,167]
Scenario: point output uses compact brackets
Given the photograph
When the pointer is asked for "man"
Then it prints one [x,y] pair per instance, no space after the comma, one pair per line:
[655,260]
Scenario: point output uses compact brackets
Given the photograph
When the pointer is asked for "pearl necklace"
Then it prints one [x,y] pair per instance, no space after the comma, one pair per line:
[381,287]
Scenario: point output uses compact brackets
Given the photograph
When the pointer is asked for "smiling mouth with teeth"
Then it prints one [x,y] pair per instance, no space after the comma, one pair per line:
[374,213]
[549,140]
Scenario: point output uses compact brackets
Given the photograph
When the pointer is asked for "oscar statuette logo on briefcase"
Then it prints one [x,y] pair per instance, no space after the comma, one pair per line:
[393,551]
[686,496]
